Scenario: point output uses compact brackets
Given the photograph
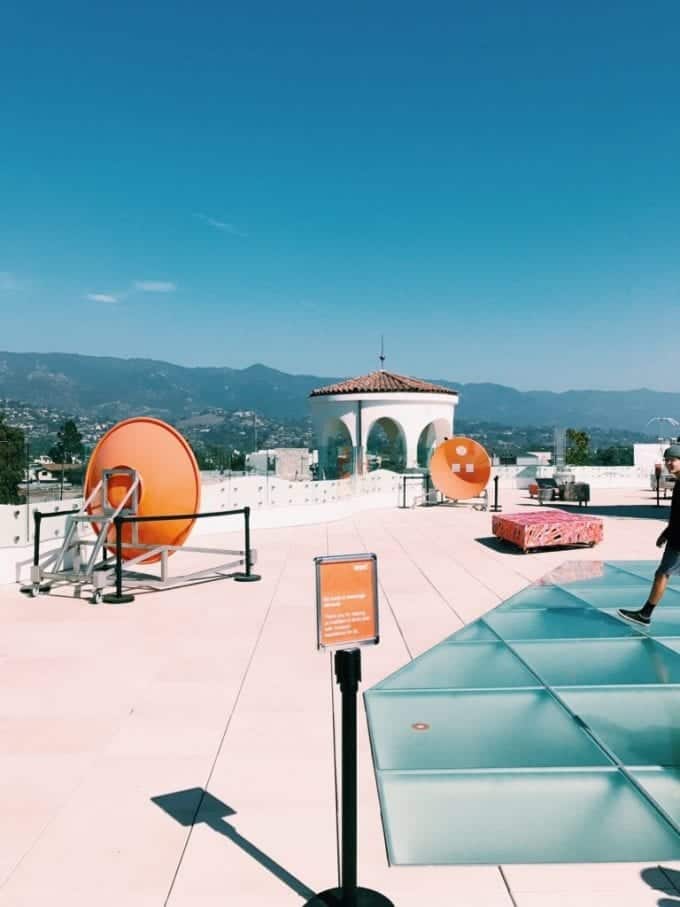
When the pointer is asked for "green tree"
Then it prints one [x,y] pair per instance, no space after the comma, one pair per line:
[69,443]
[578,447]
[613,456]
[12,446]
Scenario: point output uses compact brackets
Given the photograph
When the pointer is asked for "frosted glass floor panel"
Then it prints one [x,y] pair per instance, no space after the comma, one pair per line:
[640,725]
[665,622]
[474,632]
[556,623]
[446,730]
[644,569]
[484,771]
[575,573]
[540,597]
[475,666]
[566,817]
[601,662]
[664,785]
[623,596]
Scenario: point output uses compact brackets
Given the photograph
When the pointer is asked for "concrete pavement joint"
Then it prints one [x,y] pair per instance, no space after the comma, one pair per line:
[226,730]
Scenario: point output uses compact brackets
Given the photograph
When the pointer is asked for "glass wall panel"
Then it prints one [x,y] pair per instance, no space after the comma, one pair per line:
[441,730]
[598,662]
[664,786]
[640,725]
[623,596]
[557,623]
[540,597]
[495,818]
[478,666]
[474,632]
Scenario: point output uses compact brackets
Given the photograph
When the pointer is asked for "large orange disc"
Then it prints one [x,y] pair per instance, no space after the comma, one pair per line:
[169,475]
[460,468]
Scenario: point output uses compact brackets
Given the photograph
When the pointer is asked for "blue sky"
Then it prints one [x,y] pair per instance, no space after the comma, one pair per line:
[494,187]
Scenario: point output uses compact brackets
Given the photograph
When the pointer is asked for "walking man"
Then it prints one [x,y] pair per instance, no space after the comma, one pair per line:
[670,537]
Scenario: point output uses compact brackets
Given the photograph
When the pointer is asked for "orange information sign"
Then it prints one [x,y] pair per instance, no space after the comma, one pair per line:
[346,601]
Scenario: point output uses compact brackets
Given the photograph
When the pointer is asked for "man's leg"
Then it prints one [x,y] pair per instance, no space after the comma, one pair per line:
[644,614]
[658,589]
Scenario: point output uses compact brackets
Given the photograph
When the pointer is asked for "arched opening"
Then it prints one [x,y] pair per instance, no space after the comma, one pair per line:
[337,456]
[386,446]
[432,435]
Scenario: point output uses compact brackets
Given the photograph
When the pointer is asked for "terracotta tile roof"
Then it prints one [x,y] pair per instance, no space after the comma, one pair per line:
[381,382]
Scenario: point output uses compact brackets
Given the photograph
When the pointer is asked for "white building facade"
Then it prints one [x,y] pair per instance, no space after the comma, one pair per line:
[415,413]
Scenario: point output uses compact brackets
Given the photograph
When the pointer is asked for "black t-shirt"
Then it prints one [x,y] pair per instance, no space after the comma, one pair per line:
[673,532]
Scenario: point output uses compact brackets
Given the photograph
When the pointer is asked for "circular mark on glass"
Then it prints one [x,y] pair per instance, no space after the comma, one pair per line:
[420,726]
[461,450]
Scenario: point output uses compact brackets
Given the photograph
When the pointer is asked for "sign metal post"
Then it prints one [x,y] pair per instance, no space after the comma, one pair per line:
[347,617]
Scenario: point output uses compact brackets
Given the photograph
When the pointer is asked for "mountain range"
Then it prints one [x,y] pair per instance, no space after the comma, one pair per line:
[113,388]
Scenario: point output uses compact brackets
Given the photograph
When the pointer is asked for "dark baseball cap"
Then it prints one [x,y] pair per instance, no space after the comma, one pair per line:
[672,451]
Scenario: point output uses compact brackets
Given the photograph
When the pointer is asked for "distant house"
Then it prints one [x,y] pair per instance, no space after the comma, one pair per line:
[284,462]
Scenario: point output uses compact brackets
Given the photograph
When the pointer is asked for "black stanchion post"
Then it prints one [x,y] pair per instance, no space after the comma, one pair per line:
[119,597]
[119,556]
[348,676]
[496,506]
[248,576]
[658,503]
[37,517]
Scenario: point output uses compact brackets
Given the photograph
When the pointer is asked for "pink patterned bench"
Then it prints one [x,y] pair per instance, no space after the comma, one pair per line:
[547,529]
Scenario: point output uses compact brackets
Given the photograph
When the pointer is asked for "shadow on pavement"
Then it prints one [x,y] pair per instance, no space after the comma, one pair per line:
[496,544]
[196,806]
[635,511]
[662,878]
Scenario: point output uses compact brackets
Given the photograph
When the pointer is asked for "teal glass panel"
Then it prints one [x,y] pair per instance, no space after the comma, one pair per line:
[663,785]
[540,597]
[537,817]
[623,596]
[557,623]
[575,573]
[449,730]
[601,662]
[664,623]
[668,643]
[479,666]
[666,620]
[474,632]
[640,725]
[644,569]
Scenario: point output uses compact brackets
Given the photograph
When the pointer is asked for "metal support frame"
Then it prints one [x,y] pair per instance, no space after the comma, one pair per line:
[100,569]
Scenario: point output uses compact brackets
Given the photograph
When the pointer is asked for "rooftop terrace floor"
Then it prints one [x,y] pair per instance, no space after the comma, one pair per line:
[106,711]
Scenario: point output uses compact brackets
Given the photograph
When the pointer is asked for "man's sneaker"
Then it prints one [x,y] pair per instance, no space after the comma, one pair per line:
[636,616]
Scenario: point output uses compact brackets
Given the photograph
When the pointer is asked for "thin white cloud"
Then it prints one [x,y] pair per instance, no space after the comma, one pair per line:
[102,297]
[10,283]
[221,225]
[154,286]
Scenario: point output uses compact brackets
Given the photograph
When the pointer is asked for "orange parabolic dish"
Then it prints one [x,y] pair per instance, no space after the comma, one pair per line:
[460,468]
[169,475]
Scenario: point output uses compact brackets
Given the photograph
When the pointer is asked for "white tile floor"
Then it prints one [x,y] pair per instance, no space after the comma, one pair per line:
[220,687]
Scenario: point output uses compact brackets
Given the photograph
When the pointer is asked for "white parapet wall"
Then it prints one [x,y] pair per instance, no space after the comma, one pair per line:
[595,476]
[272,501]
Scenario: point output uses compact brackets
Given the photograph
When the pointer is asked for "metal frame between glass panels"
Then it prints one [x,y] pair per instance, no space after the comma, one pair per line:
[547,731]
